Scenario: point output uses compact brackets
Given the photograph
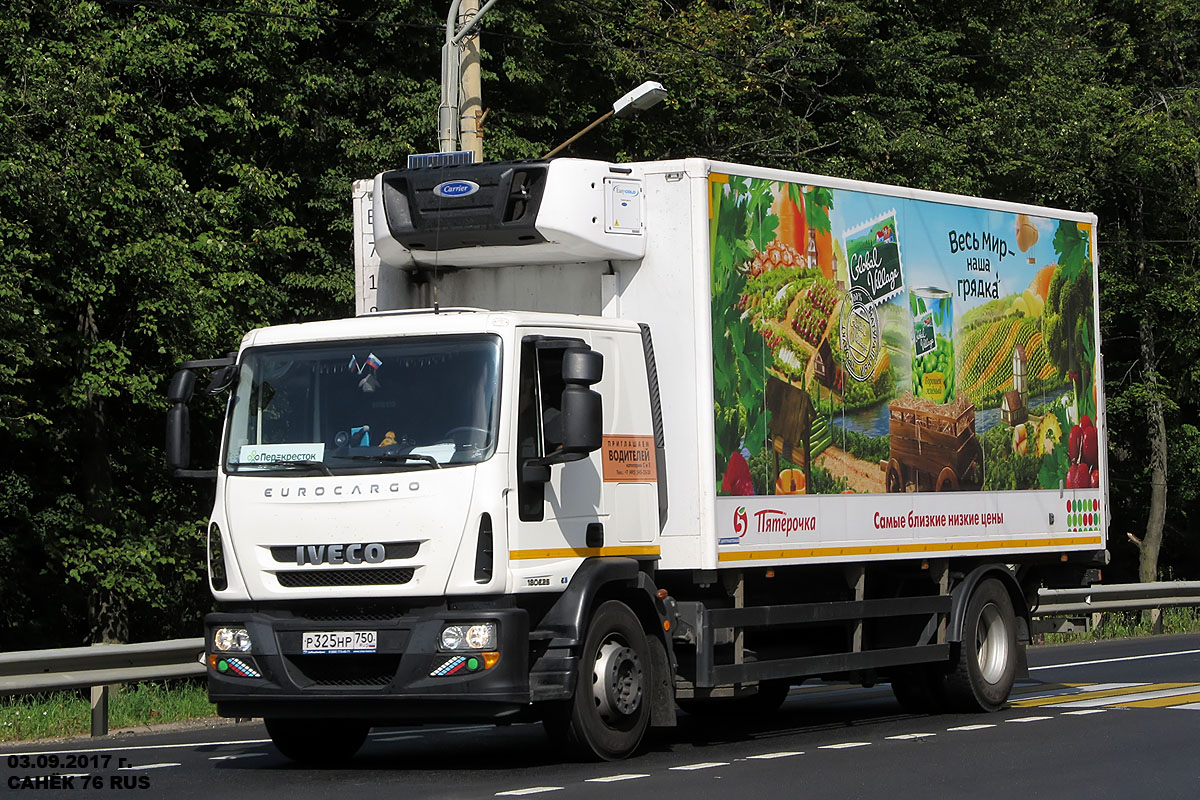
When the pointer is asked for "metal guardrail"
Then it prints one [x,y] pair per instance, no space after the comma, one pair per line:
[99,666]
[1117,597]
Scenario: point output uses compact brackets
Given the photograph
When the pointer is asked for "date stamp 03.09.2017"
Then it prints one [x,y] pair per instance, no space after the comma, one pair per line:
[72,771]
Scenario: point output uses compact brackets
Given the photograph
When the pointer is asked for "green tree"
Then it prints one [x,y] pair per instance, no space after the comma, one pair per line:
[175,175]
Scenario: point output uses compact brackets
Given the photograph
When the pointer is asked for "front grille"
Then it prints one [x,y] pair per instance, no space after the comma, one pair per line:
[366,669]
[351,616]
[304,579]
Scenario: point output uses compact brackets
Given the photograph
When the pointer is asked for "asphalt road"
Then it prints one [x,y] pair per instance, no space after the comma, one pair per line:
[1114,719]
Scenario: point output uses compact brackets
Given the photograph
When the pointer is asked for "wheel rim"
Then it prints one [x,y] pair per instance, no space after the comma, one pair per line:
[617,681]
[991,644]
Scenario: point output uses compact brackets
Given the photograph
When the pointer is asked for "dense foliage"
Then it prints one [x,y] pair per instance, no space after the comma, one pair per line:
[174,174]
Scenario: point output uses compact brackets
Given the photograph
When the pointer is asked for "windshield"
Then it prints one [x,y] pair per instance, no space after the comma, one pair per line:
[365,405]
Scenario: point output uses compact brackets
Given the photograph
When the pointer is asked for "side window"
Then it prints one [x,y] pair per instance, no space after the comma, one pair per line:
[531,497]
[539,417]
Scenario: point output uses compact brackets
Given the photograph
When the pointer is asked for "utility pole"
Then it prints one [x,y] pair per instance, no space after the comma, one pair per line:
[470,103]
[450,119]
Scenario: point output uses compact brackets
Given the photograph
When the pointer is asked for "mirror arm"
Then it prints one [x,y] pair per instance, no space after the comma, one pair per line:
[195,473]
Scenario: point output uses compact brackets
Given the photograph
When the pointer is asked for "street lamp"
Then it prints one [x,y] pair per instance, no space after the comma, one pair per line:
[647,95]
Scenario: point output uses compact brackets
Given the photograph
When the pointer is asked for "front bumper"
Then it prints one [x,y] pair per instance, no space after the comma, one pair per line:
[406,679]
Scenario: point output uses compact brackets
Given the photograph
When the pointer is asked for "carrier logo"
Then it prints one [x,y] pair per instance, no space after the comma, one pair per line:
[456,189]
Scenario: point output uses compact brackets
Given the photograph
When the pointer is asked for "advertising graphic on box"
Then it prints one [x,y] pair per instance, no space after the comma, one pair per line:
[875,344]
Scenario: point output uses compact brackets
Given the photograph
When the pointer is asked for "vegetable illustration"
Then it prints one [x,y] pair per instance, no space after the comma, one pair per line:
[737,480]
[1067,317]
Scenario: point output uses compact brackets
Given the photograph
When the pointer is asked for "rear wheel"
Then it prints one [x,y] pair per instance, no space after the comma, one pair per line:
[608,715]
[321,742]
[986,663]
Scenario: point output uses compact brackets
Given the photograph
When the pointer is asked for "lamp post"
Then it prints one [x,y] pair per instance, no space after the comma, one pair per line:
[448,111]
[647,95]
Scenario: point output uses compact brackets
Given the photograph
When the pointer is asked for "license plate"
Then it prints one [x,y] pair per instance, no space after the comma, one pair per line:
[339,641]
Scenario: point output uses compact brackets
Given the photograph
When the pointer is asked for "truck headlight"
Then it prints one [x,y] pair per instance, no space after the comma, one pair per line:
[469,636]
[232,640]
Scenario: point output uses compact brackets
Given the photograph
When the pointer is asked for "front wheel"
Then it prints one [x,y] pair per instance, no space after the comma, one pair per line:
[985,667]
[320,742]
[607,717]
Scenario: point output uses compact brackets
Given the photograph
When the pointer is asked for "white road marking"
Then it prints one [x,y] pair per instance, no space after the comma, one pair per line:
[1195,706]
[614,778]
[977,727]
[235,756]
[1114,660]
[783,754]
[1127,698]
[530,790]
[703,765]
[1028,719]
[905,736]
[1089,711]
[843,745]
[152,766]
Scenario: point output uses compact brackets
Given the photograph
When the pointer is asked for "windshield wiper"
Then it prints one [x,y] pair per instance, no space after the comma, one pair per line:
[299,463]
[401,457]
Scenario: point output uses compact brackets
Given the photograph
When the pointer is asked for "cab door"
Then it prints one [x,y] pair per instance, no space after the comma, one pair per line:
[580,511]
[550,520]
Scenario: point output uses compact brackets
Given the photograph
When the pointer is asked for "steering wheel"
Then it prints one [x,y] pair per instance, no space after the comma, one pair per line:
[478,436]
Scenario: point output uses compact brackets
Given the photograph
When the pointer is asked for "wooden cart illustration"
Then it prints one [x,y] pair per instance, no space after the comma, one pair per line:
[933,447]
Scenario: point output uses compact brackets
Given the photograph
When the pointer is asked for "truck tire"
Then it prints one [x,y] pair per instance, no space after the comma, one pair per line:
[607,717]
[318,742]
[984,663]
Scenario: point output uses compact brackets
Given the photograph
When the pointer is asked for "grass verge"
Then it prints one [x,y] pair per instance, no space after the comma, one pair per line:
[1129,624]
[56,714]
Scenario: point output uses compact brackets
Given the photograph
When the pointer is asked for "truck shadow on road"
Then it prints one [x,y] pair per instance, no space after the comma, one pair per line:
[484,748]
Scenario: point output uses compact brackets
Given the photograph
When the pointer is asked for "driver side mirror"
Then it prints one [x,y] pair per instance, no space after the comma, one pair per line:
[579,422]
[179,394]
[179,436]
[183,383]
[582,408]
[179,431]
